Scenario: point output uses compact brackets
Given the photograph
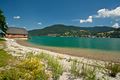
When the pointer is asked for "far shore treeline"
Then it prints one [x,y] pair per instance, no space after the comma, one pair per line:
[75,31]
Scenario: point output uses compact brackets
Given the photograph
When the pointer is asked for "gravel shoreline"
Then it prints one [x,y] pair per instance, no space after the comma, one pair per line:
[90,54]
[16,49]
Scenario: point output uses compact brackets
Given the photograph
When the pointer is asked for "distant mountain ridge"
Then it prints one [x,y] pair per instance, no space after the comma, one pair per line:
[62,29]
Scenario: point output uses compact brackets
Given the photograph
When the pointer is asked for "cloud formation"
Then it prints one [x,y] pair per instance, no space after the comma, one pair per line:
[16,17]
[89,20]
[116,25]
[39,23]
[106,13]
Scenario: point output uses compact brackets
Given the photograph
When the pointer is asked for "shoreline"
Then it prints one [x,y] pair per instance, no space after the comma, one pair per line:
[86,53]
[22,50]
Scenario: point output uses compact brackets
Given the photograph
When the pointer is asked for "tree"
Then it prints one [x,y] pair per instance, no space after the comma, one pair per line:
[3,25]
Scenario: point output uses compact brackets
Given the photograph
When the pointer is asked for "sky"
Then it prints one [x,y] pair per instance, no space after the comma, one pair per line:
[37,14]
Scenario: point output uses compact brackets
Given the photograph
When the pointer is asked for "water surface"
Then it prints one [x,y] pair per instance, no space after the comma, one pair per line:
[107,44]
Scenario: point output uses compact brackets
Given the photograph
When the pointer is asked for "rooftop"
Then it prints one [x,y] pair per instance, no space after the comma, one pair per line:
[15,30]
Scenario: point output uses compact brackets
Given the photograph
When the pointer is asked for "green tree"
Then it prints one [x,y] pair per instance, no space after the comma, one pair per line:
[3,25]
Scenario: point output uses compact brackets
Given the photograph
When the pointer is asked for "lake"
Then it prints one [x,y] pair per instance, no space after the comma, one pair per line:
[106,44]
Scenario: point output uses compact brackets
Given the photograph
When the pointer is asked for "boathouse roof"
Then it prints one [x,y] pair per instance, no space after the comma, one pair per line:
[15,30]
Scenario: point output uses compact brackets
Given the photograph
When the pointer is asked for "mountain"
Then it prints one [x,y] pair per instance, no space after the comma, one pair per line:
[60,29]
[54,29]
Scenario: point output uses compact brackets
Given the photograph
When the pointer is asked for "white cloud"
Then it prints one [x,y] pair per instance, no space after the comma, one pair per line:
[39,23]
[89,20]
[105,13]
[116,25]
[16,17]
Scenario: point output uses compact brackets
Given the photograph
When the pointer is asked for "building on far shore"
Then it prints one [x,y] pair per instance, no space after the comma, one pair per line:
[18,33]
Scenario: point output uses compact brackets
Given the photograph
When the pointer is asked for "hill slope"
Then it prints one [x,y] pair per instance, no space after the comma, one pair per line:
[61,29]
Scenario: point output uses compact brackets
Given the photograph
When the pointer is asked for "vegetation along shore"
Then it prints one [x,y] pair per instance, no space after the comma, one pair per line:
[28,63]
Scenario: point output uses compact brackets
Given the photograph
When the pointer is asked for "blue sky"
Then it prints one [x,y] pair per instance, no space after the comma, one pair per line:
[34,14]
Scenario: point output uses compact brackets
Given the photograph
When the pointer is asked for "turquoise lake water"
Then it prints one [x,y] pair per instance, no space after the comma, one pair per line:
[108,44]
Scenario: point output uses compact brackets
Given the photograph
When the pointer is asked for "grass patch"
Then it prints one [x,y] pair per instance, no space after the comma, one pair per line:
[5,58]
[11,74]
[75,68]
[85,71]
[52,64]
[112,69]
[88,72]
[1,39]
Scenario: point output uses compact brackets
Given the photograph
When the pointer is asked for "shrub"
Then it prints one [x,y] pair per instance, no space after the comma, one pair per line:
[33,68]
[28,69]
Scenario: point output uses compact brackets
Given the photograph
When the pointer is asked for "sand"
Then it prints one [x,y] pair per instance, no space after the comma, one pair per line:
[87,53]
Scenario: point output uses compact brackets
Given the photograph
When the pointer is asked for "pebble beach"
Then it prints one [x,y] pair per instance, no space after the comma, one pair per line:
[21,51]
